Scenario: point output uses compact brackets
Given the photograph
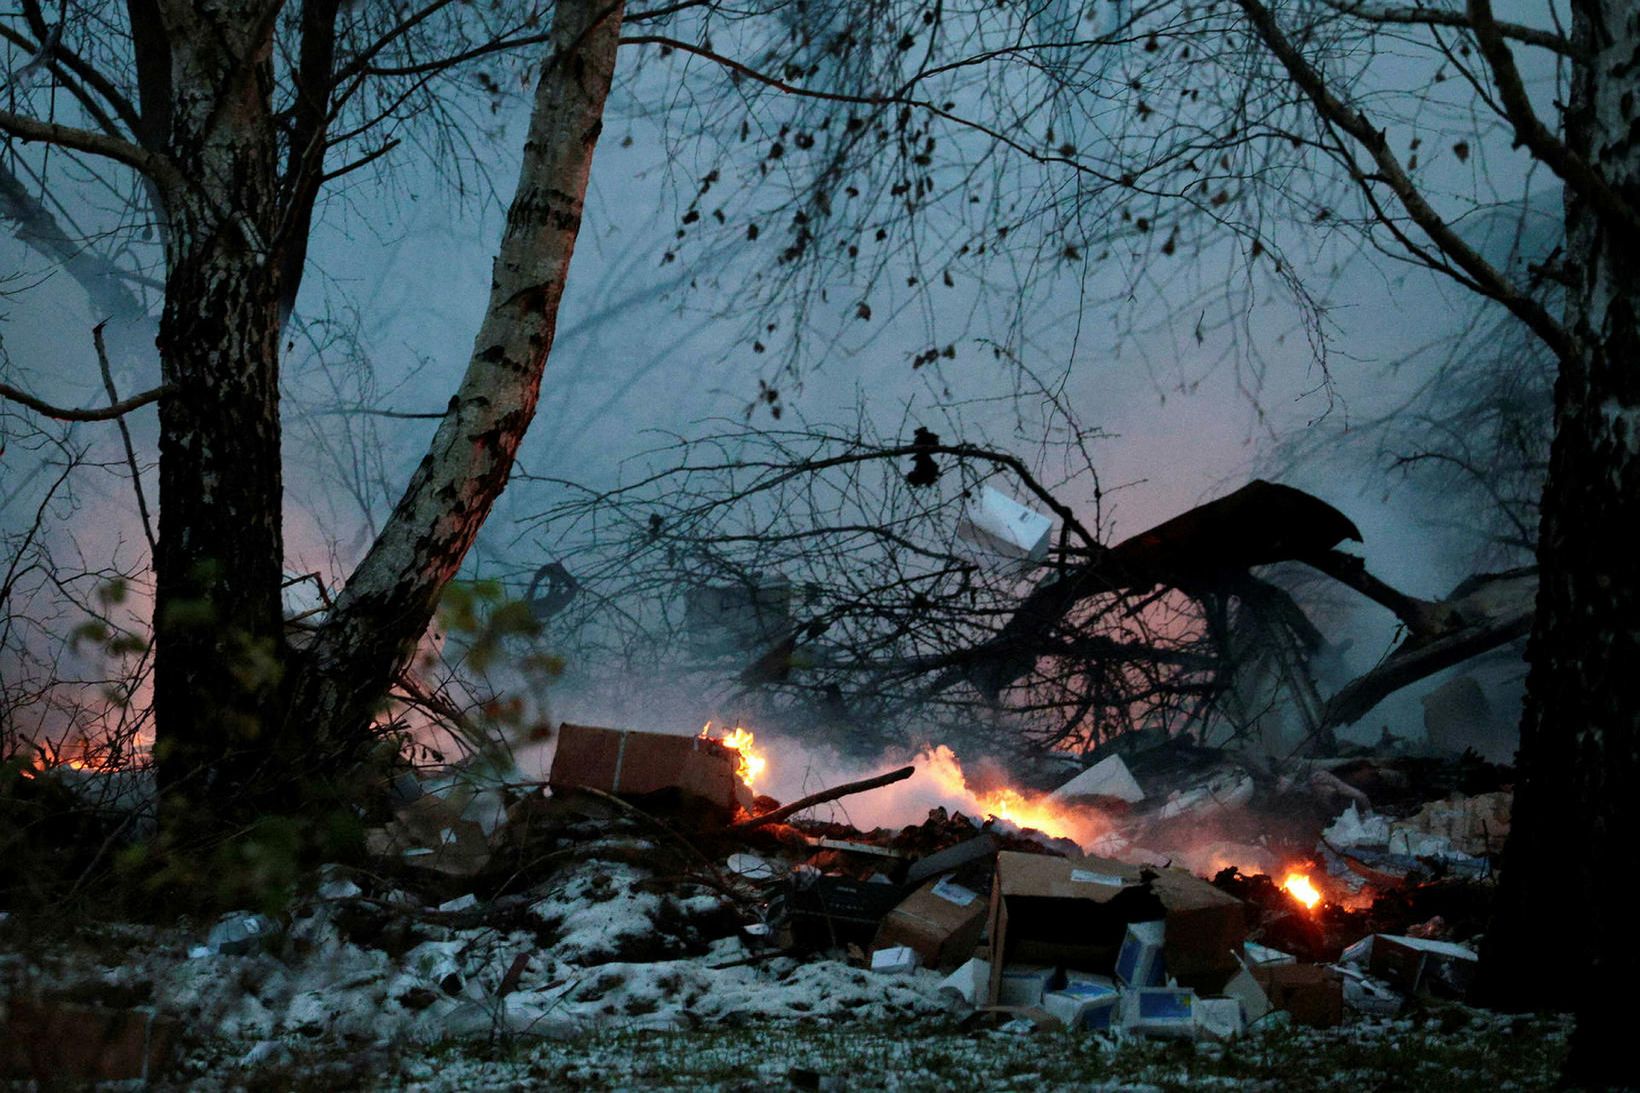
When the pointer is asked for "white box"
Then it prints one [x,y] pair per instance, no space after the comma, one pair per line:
[1219,1018]
[1263,954]
[998,524]
[1160,1011]
[1139,961]
[1084,1006]
[1024,984]
[894,960]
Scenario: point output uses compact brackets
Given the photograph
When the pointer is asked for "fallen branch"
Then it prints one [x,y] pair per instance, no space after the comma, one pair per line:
[823,796]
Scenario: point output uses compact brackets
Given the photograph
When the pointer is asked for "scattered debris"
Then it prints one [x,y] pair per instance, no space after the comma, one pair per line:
[645,885]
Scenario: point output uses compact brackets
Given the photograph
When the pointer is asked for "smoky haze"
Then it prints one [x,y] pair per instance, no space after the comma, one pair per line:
[650,348]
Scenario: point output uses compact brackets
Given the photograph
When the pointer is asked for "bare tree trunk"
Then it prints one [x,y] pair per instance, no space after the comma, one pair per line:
[390,599]
[1575,840]
[218,631]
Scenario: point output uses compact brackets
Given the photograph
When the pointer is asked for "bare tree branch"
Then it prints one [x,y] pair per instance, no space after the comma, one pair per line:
[106,413]
[1438,17]
[1489,281]
[1531,132]
[151,164]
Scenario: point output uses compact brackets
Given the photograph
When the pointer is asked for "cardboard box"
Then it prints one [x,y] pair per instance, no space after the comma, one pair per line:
[1263,954]
[1071,912]
[632,763]
[1313,994]
[1416,963]
[1205,930]
[826,912]
[741,616]
[1074,912]
[1085,1006]
[941,921]
[57,1043]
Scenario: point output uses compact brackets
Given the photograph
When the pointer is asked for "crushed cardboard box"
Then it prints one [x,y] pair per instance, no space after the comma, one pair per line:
[1415,963]
[1313,994]
[58,1043]
[941,920]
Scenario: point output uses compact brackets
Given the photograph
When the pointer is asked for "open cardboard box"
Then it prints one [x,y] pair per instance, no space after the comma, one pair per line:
[1074,912]
[633,763]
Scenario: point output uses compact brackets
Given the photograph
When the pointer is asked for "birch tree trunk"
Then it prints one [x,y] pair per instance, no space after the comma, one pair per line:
[389,601]
[1575,843]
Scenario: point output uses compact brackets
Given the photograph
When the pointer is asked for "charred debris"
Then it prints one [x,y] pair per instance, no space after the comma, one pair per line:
[645,884]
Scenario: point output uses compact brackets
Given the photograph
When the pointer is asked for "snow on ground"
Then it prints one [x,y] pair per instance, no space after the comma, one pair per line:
[606,948]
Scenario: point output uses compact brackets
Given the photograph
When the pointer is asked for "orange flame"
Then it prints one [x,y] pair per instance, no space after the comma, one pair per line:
[1300,887]
[749,764]
[1035,811]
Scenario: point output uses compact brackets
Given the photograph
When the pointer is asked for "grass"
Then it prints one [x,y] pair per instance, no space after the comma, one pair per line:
[1451,1049]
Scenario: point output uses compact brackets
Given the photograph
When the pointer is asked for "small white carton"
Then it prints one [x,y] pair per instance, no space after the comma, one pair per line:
[1024,984]
[1139,961]
[894,960]
[1160,1011]
[1084,1005]
[999,525]
[1219,1018]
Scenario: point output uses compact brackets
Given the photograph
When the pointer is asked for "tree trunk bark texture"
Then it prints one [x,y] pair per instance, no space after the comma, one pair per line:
[218,626]
[1563,934]
[390,599]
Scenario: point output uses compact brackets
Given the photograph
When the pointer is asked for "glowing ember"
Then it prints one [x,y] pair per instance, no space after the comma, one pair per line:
[1301,888]
[750,764]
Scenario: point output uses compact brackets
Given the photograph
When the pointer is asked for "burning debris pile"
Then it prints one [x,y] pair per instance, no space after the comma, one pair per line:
[647,885]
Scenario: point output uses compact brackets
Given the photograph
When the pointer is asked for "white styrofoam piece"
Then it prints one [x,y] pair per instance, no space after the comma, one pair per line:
[1109,777]
[969,982]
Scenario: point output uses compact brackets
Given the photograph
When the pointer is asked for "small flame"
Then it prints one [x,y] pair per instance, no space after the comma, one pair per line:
[749,764]
[1301,888]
